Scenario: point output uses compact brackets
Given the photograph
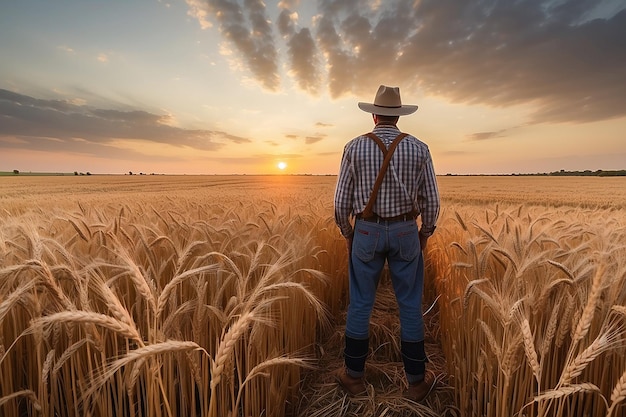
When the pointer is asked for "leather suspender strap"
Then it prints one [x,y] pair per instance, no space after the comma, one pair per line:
[383,169]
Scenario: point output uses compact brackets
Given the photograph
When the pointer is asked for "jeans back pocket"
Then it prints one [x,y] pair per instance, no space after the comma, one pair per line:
[364,244]
[408,241]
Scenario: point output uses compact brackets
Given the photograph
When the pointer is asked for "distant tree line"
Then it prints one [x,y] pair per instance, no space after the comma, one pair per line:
[588,173]
[17,172]
[561,173]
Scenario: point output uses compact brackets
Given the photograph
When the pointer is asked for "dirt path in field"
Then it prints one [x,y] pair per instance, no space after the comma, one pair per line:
[322,397]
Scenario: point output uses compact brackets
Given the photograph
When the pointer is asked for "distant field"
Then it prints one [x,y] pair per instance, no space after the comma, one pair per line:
[32,174]
[569,191]
[152,296]
[607,192]
[604,192]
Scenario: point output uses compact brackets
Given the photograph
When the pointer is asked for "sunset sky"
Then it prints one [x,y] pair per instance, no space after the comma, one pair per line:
[241,86]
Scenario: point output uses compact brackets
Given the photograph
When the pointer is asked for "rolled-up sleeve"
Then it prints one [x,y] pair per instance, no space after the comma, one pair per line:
[344,195]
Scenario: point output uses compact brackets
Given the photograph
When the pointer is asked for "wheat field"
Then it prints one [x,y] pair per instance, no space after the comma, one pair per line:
[225,296]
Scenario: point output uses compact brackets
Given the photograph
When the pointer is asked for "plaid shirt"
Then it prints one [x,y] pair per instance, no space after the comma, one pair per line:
[409,183]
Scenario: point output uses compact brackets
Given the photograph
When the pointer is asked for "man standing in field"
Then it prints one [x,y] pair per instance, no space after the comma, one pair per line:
[386,180]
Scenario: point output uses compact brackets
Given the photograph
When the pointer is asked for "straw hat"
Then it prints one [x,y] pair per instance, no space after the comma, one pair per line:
[388,103]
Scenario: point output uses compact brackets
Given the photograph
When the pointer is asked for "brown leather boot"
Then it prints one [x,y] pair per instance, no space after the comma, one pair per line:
[418,391]
[351,385]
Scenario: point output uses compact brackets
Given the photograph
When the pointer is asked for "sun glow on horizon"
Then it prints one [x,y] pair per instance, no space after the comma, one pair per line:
[282,165]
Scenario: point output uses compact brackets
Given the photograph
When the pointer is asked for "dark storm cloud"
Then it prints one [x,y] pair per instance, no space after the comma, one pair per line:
[566,58]
[60,125]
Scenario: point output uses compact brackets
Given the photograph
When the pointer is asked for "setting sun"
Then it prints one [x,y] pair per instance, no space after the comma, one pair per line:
[282,165]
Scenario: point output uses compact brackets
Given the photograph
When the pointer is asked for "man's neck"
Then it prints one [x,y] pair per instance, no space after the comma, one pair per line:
[386,124]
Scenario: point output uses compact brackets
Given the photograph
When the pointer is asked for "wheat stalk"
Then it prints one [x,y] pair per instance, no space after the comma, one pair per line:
[169,287]
[617,395]
[588,312]
[609,338]
[15,297]
[550,331]
[137,277]
[495,348]
[140,354]
[23,393]
[529,348]
[259,369]
[87,317]
[566,391]
[227,345]
[67,353]
[564,325]
[580,362]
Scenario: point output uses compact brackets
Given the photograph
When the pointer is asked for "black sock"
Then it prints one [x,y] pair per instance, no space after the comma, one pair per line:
[355,354]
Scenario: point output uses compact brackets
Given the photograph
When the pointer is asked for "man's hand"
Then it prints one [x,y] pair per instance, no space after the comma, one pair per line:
[349,245]
[423,241]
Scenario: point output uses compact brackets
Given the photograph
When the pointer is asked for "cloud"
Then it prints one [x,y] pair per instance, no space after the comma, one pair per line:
[302,52]
[61,125]
[523,52]
[320,124]
[486,135]
[309,140]
[66,49]
[198,10]
[288,4]
[304,60]
[566,58]
[248,28]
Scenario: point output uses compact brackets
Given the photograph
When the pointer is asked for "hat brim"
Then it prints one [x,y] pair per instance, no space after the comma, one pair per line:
[387,111]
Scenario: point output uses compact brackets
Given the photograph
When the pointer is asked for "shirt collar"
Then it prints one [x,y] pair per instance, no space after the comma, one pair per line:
[385,126]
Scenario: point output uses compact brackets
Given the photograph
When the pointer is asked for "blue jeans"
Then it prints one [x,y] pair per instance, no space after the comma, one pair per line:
[398,244]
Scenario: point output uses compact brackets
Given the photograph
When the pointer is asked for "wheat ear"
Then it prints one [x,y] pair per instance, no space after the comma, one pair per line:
[495,348]
[567,390]
[550,330]
[227,345]
[84,317]
[529,348]
[617,395]
[582,328]
[611,337]
[140,354]
[167,290]
[14,297]
[578,365]
[23,393]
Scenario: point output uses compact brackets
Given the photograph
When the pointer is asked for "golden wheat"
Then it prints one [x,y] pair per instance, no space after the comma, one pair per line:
[121,297]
